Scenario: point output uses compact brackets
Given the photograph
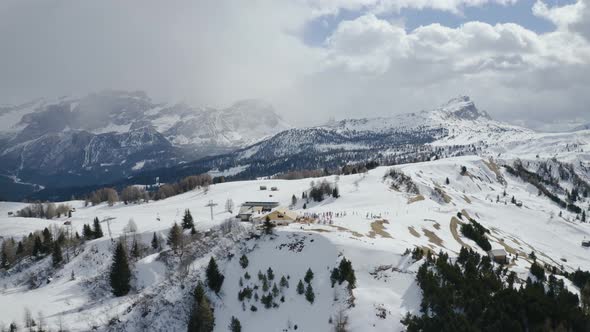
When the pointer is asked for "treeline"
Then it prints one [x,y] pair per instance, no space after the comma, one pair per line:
[355,168]
[476,232]
[471,294]
[137,194]
[45,210]
[98,196]
[400,181]
[538,181]
[39,244]
[344,272]
[319,191]
[50,241]
[182,186]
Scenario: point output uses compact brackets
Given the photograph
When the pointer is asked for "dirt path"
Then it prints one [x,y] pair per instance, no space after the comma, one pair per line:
[455,232]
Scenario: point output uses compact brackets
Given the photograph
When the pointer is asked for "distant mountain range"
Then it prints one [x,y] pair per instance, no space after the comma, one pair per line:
[107,136]
[117,138]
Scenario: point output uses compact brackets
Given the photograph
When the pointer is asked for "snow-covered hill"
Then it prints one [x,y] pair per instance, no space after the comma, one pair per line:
[371,224]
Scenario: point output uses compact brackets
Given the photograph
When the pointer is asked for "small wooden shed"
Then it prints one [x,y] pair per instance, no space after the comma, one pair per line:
[498,256]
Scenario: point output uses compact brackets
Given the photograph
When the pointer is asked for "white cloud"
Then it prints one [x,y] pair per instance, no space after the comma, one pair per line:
[207,51]
[572,17]
[369,40]
[324,7]
[375,65]
[214,52]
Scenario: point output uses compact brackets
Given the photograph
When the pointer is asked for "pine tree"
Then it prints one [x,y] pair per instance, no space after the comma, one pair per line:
[463,170]
[201,319]
[585,297]
[284,283]
[56,256]
[187,220]
[235,325]
[346,272]
[267,226]
[270,274]
[275,290]
[155,242]
[533,256]
[97,231]
[175,237]
[447,182]
[206,316]
[20,249]
[47,241]
[214,278]
[308,276]
[334,276]
[135,249]
[266,300]
[300,287]
[87,232]
[309,295]
[293,200]
[120,275]
[199,292]
[335,192]
[4,263]
[244,261]
[37,246]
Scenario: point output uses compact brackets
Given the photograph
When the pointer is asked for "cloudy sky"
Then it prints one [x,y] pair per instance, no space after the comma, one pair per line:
[523,61]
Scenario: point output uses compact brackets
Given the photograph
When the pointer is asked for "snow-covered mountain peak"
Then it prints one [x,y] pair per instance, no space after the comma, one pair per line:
[464,108]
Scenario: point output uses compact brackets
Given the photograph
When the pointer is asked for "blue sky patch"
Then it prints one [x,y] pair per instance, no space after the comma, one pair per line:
[318,30]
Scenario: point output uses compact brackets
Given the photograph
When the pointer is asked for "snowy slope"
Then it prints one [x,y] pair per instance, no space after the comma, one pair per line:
[385,278]
[457,122]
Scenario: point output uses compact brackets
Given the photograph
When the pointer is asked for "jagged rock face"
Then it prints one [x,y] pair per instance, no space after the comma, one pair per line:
[464,108]
[380,133]
[118,133]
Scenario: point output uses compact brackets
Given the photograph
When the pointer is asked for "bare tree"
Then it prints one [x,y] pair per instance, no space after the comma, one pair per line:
[28,318]
[112,196]
[50,211]
[341,322]
[40,321]
[229,205]
[131,226]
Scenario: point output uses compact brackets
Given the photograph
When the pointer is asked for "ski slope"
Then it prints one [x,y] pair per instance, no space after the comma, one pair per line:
[371,225]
